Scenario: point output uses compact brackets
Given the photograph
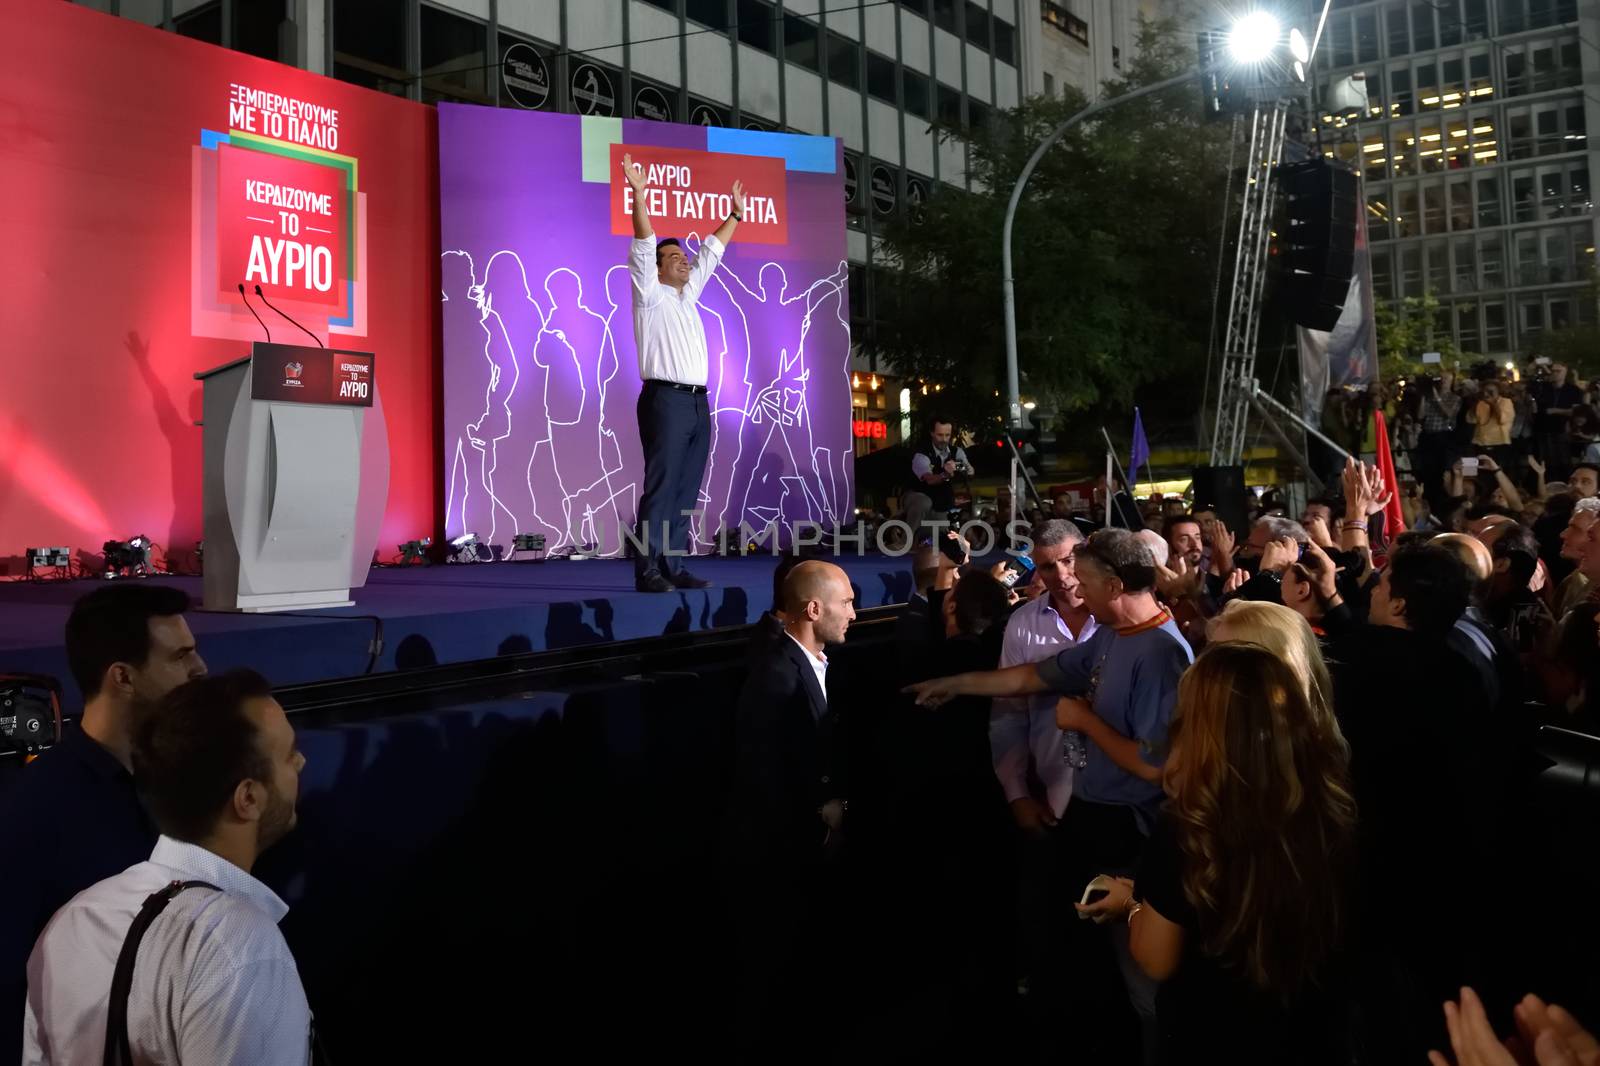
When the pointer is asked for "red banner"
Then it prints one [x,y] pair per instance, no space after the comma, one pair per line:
[283,224]
[689,193]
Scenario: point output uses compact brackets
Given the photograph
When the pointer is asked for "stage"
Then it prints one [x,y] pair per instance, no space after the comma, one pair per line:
[442,614]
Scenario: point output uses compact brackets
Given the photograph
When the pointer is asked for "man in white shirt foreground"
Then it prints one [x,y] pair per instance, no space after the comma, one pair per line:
[213,981]
[674,417]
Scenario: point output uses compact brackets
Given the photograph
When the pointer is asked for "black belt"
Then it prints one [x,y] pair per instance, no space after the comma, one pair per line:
[698,390]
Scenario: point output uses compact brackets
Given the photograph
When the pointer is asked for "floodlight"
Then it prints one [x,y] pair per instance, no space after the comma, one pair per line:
[1253,37]
[1298,47]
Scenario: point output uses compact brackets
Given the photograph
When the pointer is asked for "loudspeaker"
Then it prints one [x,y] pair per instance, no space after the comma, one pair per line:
[1222,489]
[1321,201]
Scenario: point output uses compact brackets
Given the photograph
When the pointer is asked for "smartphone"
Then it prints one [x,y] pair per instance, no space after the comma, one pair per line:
[1019,571]
[1094,891]
[1469,466]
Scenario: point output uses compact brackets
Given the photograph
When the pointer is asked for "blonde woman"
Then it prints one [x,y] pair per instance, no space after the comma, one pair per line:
[1242,904]
[1287,635]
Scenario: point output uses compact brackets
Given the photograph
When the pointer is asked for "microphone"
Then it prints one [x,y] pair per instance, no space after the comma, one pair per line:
[263,298]
[252,310]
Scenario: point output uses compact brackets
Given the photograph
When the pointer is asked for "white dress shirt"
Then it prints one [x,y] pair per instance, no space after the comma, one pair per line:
[666,323]
[819,664]
[1023,735]
[215,983]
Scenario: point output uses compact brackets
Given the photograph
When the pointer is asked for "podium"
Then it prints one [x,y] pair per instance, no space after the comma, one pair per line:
[296,478]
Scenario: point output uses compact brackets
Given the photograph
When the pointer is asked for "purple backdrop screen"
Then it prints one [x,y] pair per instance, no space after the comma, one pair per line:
[541,374]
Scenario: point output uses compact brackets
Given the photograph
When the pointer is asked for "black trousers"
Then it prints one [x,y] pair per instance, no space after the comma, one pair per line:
[675,430]
[1099,838]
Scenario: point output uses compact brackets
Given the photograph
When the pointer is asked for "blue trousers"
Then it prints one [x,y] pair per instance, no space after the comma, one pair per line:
[675,430]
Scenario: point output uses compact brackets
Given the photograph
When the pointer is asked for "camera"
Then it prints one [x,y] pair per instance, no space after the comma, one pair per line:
[30,714]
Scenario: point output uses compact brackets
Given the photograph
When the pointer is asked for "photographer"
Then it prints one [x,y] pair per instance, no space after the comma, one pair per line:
[1492,418]
[1555,397]
[1438,409]
[934,465]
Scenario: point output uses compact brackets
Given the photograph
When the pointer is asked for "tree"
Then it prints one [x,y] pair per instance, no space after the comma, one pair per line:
[1115,251]
[1577,346]
[1405,334]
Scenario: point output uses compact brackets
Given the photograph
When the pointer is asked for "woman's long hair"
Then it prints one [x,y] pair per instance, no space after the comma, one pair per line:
[1260,796]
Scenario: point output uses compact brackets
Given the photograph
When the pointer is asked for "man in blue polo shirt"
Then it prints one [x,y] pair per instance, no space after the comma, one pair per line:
[1119,689]
[73,818]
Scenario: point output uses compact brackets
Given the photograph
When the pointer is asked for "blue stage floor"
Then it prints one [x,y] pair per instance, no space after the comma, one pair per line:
[442,614]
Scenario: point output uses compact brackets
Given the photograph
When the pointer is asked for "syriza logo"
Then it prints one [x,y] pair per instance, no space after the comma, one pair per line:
[291,376]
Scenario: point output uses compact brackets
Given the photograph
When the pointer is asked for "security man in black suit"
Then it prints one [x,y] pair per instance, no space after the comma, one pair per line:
[788,804]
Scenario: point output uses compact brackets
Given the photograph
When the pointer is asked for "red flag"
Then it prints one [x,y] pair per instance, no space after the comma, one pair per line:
[1394,522]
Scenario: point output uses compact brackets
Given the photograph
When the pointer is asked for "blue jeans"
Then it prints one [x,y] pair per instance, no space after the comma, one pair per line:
[675,430]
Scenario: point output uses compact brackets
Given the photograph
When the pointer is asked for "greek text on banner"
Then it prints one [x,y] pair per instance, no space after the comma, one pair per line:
[690,193]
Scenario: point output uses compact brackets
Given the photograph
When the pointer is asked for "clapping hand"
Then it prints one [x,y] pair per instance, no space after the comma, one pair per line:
[1550,1034]
[1236,579]
[1177,582]
[1222,542]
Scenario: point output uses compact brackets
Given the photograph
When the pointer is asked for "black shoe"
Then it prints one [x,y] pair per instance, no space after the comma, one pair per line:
[653,582]
[685,580]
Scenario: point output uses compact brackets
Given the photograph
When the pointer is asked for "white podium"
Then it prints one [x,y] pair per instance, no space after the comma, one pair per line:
[296,478]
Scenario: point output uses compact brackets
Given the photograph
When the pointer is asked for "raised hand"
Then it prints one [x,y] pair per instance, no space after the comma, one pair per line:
[1552,1033]
[1326,574]
[1317,529]
[1380,494]
[1222,543]
[1177,582]
[1534,464]
[1279,553]
[738,198]
[1471,1036]
[635,173]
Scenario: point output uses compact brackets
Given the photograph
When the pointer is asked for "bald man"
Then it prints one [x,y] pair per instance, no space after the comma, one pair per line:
[787,807]
[1475,638]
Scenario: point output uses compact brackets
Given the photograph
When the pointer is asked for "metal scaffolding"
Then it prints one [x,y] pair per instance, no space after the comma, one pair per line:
[1238,384]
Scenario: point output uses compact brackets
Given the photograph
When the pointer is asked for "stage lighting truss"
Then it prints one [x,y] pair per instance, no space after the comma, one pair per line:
[467,548]
[1252,63]
[128,558]
[532,543]
[414,552]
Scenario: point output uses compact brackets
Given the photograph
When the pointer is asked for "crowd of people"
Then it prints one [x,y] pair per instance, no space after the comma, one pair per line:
[1176,794]
[1282,768]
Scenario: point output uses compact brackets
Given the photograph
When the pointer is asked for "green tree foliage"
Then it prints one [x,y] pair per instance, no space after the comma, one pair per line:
[1115,252]
[1578,346]
[1406,331]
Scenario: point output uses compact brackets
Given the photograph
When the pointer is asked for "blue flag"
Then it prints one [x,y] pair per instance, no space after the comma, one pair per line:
[1140,454]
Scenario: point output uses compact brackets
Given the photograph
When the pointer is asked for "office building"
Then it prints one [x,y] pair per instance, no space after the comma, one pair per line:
[1475,153]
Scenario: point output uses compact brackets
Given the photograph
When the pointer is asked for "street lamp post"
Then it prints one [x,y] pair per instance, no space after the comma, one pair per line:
[1013,382]
[1253,38]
